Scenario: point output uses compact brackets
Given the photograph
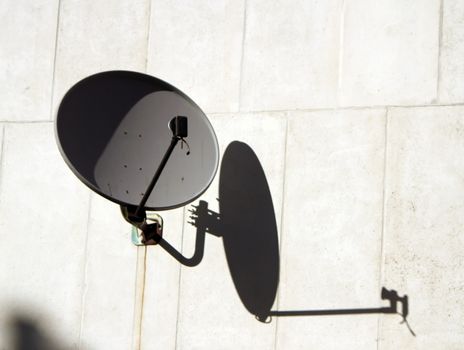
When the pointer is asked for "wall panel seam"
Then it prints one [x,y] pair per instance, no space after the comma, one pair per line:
[52,94]
[2,156]
[282,209]
[148,35]
[84,288]
[180,279]
[341,44]
[138,297]
[242,56]
[137,324]
[440,40]
[383,222]
[341,108]
[142,303]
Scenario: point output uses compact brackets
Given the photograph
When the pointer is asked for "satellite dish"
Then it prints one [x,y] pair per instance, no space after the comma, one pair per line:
[137,141]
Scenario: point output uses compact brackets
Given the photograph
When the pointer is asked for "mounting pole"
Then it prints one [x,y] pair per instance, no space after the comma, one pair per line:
[153,182]
[178,126]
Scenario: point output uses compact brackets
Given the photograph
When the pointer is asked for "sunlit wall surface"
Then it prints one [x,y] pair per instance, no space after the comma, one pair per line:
[355,110]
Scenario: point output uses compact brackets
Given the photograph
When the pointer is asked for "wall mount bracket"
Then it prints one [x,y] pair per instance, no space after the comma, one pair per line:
[148,237]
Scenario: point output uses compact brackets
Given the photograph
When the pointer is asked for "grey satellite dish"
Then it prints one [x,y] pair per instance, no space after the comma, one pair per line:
[137,141]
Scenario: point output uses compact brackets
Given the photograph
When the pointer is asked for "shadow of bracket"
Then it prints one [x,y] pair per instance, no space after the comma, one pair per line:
[247,225]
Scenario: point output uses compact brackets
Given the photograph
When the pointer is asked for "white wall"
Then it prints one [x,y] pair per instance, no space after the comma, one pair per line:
[355,109]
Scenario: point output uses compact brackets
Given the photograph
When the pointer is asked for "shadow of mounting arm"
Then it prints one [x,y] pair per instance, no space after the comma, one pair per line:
[203,220]
[152,235]
[197,254]
[390,295]
[381,310]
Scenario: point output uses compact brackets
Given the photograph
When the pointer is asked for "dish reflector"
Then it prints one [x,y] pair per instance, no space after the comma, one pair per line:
[113,130]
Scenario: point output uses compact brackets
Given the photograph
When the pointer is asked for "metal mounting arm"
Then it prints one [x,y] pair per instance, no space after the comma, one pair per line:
[178,126]
[154,180]
[137,215]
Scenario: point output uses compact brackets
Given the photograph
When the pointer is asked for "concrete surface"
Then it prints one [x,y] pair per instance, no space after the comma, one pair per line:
[355,110]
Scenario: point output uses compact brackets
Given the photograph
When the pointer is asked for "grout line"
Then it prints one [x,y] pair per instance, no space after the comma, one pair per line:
[440,39]
[137,325]
[58,15]
[2,156]
[383,222]
[341,51]
[148,35]
[144,277]
[138,294]
[323,109]
[282,209]
[86,266]
[240,84]
[134,314]
[26,121]
[180,278]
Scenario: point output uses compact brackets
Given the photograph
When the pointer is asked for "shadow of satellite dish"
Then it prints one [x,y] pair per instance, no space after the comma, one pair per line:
[247,224]
[249,228]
